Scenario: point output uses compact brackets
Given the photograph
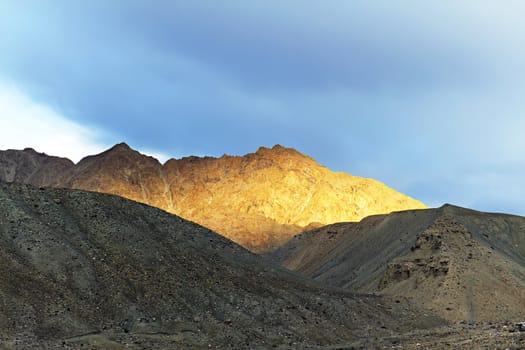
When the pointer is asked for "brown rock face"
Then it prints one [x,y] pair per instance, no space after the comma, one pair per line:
[259,200]
[262,199]
[28,166]
[456,276]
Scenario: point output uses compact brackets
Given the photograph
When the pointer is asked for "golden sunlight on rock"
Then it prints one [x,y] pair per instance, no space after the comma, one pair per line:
[262,199]
[259,200]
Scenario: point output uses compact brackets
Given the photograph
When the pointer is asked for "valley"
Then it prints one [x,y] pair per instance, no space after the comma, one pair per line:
[88,261]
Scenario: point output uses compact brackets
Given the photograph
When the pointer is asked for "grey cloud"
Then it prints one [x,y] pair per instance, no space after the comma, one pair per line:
[416,95]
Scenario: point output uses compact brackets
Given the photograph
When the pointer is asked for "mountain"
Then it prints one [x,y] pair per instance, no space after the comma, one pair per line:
[259,200]
[90,270]
[459,263]
[29,166]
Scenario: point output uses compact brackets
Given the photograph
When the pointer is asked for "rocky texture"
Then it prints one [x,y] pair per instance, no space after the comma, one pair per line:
[29,166]
[459,263]
[259,200]
[455,275]
[472,336]
[90,270]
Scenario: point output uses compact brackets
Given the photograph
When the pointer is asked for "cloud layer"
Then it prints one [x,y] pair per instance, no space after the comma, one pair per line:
[26,123]
[426,97]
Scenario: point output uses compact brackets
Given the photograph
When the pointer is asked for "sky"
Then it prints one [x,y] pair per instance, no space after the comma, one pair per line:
[425,96]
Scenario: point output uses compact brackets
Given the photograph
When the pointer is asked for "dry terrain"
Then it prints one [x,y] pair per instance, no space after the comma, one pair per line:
[460,264]
[86,270]
[259,200]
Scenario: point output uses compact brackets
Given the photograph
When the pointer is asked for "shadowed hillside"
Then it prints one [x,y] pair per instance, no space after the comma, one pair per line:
[90,270]
[459,263]
[259,200]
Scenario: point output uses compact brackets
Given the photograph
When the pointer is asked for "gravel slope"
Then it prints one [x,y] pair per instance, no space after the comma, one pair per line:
[460,264]
[89,270]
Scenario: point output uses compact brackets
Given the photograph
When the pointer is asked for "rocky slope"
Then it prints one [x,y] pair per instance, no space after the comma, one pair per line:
[88,270]
[459,263]
[29,166]
[259,200]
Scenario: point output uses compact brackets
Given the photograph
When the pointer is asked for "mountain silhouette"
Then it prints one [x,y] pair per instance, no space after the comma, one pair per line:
[259,200]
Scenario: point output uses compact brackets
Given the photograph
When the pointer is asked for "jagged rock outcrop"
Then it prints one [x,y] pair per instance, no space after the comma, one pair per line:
[459,263]
[259,200]
[453,274]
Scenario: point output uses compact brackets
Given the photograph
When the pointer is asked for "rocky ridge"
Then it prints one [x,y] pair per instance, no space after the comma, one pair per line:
[259,200]
[29,166]
[461,264]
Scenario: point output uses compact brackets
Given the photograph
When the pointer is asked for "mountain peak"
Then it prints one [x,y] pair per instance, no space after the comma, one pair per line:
[122,146]
[259,200]
[33,152]
[279,153]
[276,148]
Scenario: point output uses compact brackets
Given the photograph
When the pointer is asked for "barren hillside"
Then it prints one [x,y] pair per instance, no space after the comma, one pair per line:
[259,200]
[89,270]
[459,263]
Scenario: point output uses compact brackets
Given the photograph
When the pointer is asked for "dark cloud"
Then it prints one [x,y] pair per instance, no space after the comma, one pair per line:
[412,94]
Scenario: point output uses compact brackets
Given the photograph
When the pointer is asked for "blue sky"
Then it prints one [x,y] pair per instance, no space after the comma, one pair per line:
[424,96]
